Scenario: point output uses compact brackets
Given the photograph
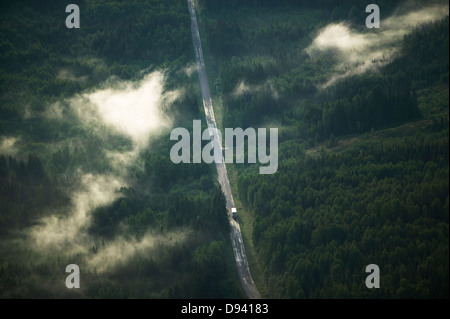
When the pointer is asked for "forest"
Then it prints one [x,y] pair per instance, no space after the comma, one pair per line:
[363,149]
[55,163]
[363,160]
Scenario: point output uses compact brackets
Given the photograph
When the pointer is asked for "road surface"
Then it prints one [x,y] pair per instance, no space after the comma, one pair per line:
[222,175]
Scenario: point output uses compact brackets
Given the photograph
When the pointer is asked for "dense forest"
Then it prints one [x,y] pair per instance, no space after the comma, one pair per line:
[363,149]
[163,233]
[363,160]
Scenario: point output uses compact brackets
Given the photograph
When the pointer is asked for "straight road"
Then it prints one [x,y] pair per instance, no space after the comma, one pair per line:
[222,174]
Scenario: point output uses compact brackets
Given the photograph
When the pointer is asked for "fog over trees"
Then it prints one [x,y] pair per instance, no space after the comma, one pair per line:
[86,176]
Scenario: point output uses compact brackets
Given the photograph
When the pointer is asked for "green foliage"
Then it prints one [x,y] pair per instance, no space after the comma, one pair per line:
[381,197]
[373,199]
[261,79]
[26,192]
[42,63]
[318,221]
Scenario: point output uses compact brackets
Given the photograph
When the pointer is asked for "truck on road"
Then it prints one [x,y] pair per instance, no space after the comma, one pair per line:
[234,213]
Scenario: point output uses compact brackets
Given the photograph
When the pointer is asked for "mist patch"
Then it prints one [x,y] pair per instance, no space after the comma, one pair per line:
[360,52]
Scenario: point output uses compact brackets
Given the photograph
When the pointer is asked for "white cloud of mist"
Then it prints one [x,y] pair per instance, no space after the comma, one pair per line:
[341,37]
[119,251]
[66,74]
[8,146]
[135,110]
[244,88]
[358,52]
[121,161]
[53,111]
[66,233]
[132,109]
[190,69]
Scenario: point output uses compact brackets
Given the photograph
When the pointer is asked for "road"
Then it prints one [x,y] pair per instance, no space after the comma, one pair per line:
[222,175]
